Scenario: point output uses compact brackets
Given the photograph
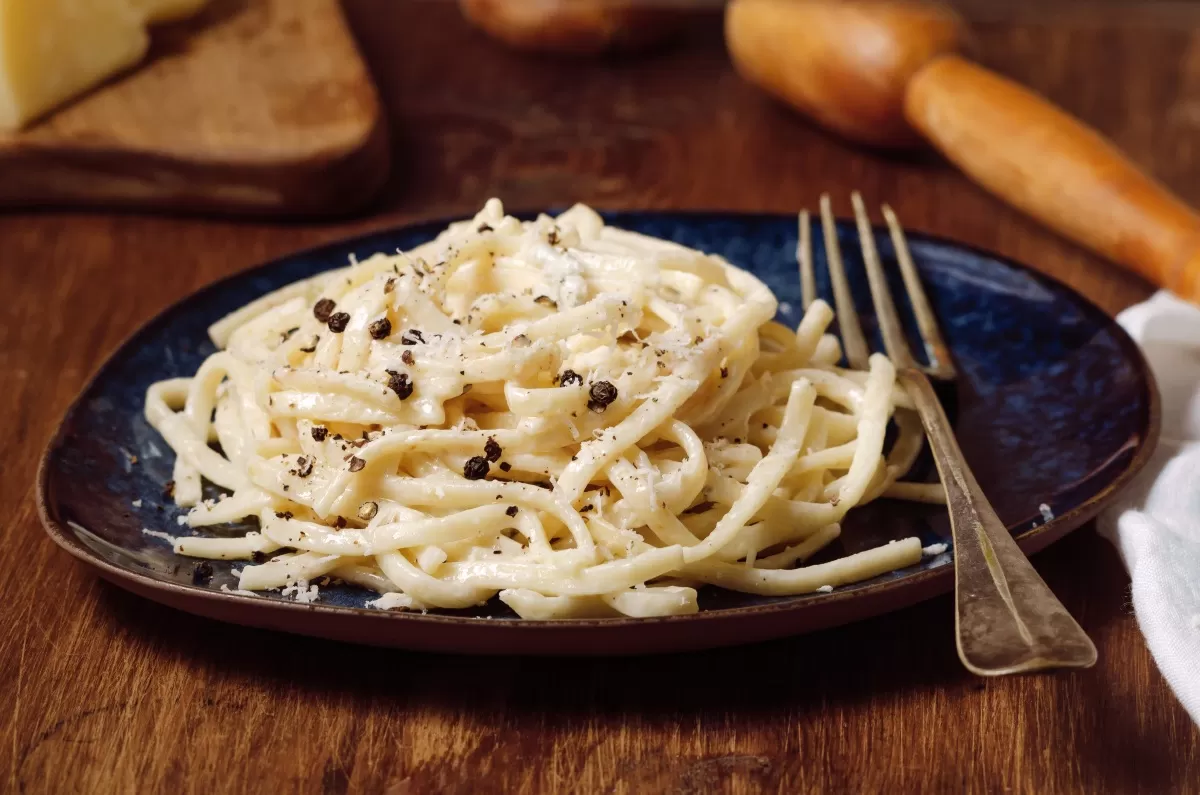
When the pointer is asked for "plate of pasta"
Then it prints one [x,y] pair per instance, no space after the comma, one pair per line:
[574,433]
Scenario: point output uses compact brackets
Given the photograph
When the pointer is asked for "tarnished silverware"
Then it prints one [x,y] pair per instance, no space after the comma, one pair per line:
[1007,620]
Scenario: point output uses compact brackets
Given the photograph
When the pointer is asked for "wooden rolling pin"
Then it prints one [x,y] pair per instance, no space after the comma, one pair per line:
[879,71]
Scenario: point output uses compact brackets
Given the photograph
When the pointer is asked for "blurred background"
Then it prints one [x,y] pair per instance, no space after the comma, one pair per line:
[262,108]
[325,118]
[675,126]
[616,130]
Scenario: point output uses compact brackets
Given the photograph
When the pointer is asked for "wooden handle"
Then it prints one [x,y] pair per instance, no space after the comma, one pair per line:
[1020,147]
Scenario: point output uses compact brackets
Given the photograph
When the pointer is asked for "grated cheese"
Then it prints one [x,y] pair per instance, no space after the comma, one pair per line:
[158,534]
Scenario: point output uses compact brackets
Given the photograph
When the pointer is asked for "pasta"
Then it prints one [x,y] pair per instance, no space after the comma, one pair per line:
[580,420]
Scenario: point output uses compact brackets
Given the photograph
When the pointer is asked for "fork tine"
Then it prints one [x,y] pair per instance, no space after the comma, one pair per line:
[885,308]
[853,343]
[804,258]
[940,364]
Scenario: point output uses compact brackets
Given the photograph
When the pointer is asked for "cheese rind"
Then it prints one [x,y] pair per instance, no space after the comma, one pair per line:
[54,50]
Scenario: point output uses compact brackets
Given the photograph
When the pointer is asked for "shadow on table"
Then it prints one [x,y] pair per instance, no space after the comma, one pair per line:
[910,649]
[907,655]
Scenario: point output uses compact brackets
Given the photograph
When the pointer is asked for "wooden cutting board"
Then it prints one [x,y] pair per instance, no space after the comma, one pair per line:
[254,107]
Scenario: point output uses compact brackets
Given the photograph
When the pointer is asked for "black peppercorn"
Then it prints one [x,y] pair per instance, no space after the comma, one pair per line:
[202,572]
[476,468]
[323,309]
[569,377]
[511,511]
[602,394]
[492,450]
[338,321]
[401,384]
[380,329]
[319,433]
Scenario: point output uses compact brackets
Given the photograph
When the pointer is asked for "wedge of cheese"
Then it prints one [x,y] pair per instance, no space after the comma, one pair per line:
[54,50]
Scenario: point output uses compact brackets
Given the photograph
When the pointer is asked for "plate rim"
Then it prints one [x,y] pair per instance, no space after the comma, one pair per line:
[930,582]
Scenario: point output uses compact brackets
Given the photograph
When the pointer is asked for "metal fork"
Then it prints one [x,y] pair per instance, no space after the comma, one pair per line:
[1006,619]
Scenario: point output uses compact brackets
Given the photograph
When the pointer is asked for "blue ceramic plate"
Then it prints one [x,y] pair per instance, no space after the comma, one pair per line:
[1054,407]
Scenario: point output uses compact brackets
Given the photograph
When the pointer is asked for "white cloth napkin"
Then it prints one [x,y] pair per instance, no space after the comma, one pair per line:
[1156,523]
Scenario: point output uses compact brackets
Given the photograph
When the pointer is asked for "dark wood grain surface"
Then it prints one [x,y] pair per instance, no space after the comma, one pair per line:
[102,692]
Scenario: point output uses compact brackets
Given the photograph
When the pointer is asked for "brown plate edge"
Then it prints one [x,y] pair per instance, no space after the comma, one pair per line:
[577,637]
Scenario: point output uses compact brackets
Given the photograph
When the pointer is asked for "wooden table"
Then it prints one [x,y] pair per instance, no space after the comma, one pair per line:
[103,692]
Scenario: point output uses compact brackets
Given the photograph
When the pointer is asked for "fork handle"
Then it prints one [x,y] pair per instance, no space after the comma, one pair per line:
[1053,167]
[1007,619]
